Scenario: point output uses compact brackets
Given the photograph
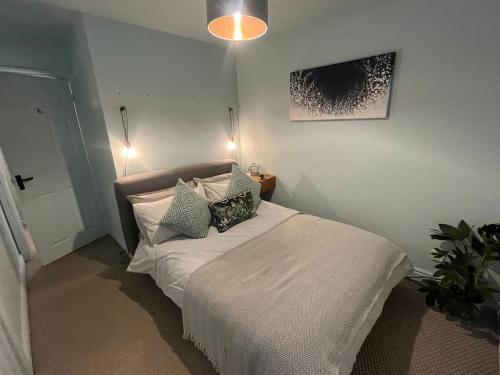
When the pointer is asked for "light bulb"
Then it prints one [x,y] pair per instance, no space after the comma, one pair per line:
[230,145]
[238,35]
[129,152]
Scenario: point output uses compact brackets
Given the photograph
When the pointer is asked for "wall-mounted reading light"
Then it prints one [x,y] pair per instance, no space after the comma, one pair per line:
[128,151]
[231,144]
[237,19]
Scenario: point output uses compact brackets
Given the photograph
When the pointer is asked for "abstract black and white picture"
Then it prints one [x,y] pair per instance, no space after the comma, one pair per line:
[357,89]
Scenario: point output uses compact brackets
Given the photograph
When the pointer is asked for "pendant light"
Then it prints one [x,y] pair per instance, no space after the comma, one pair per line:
[237,19]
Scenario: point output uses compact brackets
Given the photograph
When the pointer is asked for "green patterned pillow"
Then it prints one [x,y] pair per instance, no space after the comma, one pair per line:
[240,183]
[189,213]
[229,212]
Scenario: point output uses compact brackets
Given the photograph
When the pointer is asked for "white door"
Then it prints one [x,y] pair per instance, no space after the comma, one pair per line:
[40,138]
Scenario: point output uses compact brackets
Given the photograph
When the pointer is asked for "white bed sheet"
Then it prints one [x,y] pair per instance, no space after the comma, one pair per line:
[172,263]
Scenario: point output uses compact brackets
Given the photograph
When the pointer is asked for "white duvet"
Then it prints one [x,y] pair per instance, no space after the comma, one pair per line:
[172,263]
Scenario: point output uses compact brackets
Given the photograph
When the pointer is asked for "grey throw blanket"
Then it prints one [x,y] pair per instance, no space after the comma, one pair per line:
[295,300]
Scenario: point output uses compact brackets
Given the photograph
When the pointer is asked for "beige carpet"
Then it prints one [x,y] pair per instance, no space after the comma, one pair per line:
[89,316]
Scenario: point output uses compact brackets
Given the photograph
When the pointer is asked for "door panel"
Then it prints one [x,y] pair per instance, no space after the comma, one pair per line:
[48,208]
[40,138]
[19,130]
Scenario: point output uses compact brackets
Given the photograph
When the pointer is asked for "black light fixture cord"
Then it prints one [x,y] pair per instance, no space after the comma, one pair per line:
[231,120]
[124,114]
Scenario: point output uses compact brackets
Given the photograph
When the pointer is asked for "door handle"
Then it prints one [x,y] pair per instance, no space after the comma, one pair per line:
[20,181]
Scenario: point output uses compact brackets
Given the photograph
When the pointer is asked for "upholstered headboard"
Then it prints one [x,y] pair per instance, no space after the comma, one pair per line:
[157,180]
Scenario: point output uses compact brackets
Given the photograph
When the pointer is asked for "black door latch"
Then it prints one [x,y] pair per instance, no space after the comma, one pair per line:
[20,181]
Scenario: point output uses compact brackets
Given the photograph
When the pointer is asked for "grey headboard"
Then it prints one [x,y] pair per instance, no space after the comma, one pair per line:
[157,180]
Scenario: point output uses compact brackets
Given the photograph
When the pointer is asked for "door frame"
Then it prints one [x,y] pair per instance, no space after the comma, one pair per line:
[8,209]
[20,355]
[8,203]
[12,212]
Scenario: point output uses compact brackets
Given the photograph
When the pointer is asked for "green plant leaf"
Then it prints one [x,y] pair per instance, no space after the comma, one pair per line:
[443,266]
[438,253]
[477,245]
[458,285]
[451,233]
[440,273]
[489,231]
[464,228]
[431,282]
[440,237]
[489,290]
[446,228]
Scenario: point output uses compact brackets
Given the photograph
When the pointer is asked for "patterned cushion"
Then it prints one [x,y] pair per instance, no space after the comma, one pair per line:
[241,183]
[189,213]
[229,212]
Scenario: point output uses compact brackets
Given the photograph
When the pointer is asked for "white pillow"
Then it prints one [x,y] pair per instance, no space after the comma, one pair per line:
[158,194]
[215,191]
[215,187]
[149,214]
[218,178]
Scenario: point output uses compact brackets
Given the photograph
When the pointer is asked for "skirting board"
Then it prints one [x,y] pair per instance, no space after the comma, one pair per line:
[417,271]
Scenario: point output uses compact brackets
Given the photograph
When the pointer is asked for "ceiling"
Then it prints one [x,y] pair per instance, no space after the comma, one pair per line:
[188,17]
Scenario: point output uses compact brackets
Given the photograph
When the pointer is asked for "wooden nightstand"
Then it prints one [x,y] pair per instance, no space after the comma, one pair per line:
[268,184]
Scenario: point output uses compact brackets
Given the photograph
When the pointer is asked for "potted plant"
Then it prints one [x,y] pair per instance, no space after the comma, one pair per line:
[459,286]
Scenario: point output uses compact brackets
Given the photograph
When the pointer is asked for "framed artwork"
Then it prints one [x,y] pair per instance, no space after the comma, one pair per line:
[351,90]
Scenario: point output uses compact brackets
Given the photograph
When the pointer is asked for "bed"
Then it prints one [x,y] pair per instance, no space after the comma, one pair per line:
[281,293]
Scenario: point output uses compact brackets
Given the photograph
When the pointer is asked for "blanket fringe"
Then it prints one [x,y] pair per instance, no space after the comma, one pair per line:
[215,363]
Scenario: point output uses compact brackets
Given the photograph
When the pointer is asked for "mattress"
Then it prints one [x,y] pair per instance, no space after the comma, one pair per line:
[172,263]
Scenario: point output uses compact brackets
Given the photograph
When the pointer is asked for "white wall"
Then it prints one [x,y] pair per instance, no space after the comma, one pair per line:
[93,127]
[36,53]
[434,160]
[177,92]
